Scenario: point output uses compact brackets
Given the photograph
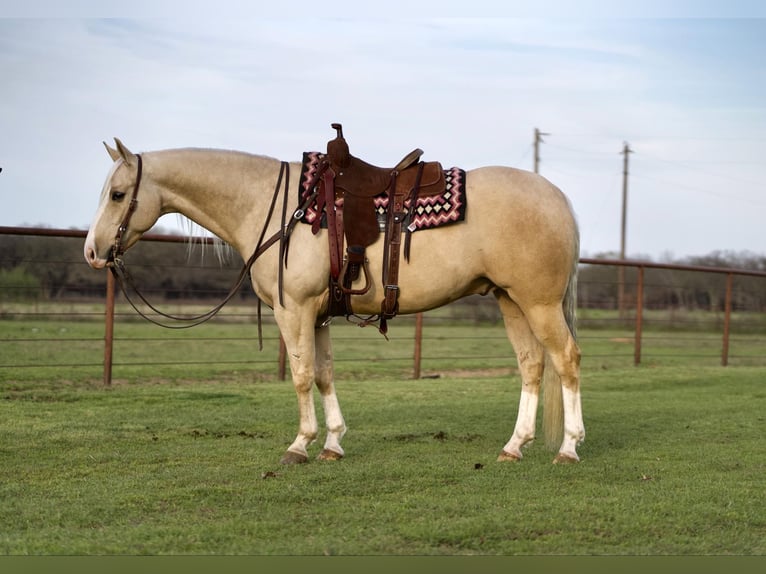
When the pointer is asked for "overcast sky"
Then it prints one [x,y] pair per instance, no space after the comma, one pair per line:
[688,94]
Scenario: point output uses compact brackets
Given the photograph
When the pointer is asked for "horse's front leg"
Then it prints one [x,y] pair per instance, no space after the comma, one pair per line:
[336,426]
[298,333]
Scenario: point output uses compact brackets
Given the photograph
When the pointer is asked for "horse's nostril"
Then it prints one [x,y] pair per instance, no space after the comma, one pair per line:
[90,255]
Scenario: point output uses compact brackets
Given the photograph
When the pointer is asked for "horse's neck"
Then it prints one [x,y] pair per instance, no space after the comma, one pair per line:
[227,193]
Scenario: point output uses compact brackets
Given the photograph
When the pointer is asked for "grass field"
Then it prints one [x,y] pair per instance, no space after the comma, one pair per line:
[184,459]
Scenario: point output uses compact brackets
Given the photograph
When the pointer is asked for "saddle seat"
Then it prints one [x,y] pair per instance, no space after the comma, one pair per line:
[356,177]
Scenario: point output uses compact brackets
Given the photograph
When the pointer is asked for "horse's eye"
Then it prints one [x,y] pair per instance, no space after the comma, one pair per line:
[118,195]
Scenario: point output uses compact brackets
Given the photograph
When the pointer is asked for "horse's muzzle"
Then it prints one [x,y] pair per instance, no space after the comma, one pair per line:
[92,258]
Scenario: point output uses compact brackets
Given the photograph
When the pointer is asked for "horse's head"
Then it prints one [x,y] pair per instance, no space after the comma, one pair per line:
[123,213]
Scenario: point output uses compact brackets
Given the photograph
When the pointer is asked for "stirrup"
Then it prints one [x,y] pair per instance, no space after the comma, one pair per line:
[365,271]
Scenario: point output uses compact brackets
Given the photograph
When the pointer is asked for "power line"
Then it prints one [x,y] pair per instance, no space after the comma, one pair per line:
[580,151]
[523,157]
[699,189]
[688,165]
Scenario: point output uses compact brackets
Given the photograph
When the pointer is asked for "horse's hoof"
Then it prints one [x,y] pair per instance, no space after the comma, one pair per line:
[564,458]
[507,456]
[291,457]
[328,454]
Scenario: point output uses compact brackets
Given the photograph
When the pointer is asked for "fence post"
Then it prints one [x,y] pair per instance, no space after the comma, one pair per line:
[639,315]
[418,345]
[727,320]
[108,328]
[282,359]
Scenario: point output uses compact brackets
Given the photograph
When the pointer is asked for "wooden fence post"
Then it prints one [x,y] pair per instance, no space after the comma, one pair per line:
[727,320]
[639,315]
[418,345]
[282,359]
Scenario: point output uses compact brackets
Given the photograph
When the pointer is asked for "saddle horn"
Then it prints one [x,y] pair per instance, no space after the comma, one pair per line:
[337,149]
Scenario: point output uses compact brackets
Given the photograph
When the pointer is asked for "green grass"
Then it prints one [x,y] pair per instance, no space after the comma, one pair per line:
[672,464]
[180,455]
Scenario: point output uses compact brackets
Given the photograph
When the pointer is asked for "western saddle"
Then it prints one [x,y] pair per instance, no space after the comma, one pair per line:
[347,189]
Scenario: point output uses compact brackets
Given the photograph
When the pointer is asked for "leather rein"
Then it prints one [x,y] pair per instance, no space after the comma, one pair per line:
[123,277]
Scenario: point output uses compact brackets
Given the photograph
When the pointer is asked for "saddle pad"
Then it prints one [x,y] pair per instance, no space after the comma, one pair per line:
[429,212]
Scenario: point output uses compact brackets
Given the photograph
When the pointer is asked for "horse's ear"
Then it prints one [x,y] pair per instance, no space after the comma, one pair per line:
[113,153]
[128,156]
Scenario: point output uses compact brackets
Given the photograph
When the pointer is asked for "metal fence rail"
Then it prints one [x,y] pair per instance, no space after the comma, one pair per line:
[633,312]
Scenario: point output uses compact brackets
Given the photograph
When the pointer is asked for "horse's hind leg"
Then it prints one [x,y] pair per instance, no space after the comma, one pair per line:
[550,328]
[336,426]
[530,357]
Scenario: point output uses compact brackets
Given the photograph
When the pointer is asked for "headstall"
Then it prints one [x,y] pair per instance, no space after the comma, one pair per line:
[118,249]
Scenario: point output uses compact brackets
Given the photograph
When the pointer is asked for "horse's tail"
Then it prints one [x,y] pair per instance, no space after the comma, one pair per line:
[553,405]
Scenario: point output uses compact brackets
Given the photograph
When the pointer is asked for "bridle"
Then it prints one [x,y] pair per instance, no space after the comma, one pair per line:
[118,249]
[116,263]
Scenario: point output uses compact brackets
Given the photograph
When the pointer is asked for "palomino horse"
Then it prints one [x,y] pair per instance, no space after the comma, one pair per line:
[519,241]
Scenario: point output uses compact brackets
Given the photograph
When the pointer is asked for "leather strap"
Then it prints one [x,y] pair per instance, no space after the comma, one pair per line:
[283,237]
[411,213]
[118,248]
[335,233]
[390,304]
[118,269]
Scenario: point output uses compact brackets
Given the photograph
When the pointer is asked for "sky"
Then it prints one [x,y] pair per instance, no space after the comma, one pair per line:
[683,87]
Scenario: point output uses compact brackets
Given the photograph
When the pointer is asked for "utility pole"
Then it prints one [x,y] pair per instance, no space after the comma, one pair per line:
[626,151]
[538,140]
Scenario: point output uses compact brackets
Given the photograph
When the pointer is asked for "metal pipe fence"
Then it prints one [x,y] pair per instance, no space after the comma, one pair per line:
[70,297]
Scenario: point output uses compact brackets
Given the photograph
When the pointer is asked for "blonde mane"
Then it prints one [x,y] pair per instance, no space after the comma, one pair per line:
[223,251]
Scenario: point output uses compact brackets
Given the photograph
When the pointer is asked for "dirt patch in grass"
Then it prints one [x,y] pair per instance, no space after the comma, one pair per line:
[471,373]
